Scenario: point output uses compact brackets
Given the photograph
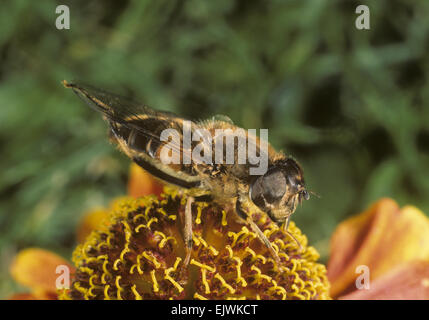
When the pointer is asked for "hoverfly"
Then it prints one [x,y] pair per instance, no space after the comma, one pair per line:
[137,130]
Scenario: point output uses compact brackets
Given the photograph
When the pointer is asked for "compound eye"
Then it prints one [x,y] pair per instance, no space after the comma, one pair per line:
[273,186]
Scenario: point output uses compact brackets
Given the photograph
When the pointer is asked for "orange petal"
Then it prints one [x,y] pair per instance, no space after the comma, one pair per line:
[381,238]
[23,296]
[406,282]
[36,268]
[142,183]
[90,222]
[40,295]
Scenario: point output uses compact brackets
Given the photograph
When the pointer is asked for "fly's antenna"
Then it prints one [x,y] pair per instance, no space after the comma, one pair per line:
[315,194]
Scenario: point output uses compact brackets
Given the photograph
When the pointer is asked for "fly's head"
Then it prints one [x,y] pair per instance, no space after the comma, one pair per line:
[279,191]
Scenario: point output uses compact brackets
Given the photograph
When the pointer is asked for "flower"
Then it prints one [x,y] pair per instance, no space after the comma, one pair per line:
[142,183]
[36,269]
[139,255]
[392,242]
[134,250]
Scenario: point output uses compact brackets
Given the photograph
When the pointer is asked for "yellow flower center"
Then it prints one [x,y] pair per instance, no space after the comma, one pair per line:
[139,254]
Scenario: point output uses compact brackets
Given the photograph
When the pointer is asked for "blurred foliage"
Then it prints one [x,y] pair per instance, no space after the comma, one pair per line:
[350,105]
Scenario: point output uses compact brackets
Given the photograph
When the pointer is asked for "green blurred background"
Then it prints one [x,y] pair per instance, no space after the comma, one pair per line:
[351,105]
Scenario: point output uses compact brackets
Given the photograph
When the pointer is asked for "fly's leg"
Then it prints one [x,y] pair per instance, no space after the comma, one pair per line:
[257,230]
[285,228]
[187,238]
[188,231]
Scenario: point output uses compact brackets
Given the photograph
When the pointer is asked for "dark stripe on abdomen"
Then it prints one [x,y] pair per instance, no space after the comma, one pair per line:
[164,176]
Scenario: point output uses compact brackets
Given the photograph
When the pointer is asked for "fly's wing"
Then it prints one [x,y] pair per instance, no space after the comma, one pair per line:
[137,130]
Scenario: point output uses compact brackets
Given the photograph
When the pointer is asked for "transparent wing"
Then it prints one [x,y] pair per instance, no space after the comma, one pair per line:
[137,129]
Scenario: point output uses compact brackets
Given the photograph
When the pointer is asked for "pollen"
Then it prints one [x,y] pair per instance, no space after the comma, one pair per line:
[202,266]
[155,283]
[140,254]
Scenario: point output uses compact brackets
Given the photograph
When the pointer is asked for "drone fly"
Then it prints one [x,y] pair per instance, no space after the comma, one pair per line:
[140,132]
